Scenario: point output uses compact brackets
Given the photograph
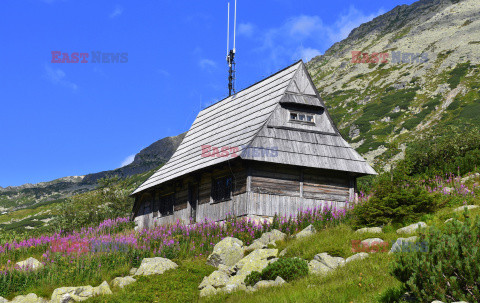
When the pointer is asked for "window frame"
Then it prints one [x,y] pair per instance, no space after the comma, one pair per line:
[227,195]
[298,113]
[163,208]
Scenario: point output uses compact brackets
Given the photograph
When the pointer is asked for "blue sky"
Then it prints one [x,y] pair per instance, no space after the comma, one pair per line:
[63,119]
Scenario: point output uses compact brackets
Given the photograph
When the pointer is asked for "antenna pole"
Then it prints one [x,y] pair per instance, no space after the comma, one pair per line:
[228,27]
[231,53]
[234,25]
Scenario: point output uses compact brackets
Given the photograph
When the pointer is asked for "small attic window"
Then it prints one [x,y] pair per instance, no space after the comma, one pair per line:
[302,117]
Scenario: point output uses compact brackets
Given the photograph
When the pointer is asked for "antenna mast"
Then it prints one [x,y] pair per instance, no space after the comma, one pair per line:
[231,53]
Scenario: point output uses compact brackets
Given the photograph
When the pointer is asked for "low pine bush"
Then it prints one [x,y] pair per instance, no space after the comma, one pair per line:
[287,268]
[394,202]
[253,278]
[450,269]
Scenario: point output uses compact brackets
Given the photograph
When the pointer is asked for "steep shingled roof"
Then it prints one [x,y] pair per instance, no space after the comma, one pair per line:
[243,120]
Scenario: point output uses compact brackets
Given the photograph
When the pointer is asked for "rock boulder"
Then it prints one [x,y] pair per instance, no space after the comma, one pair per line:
[155,266]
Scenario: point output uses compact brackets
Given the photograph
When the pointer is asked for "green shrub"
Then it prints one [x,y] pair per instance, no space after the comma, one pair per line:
[448,150]
[253,278]
[450,270]
[394,202]
[287,268]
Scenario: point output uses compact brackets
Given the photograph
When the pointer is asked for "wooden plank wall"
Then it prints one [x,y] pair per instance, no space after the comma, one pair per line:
[274,179]
[325,187]
[269,205]
[205,209]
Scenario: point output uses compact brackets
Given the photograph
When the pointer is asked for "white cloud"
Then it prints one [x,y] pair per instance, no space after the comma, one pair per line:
[128,160]
[207,64]
[305,36]
[306,53]
[348,21]
[303,26]
[116,12]
[245,29]
[57,77]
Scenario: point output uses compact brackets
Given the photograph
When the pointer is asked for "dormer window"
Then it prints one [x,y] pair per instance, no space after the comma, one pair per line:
[302,117]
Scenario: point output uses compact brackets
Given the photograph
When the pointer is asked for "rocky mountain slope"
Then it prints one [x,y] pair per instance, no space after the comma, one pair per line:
[402,73]
[156,154]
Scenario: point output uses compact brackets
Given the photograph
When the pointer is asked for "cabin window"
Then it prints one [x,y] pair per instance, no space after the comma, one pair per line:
[166,205]
[222,189]
[302,117]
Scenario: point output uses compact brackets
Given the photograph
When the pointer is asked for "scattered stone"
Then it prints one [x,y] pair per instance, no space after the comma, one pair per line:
[255,261]
[317,268]
[3,300]
[103,289]
[268,238]
[29,264]
[123,281]
[279,281]
[371,230]
[283,252]
[411,228]
[309,230]
[155,266]
[133,270]
[329,261]
[30,298]
[359,256]
[227,252]
[216,279]
[371,242]
[264,284]
[448,220]
[447,190]
[79,293]
[462,208]
[233,287]
[407,245]
[436,301]
[208,291]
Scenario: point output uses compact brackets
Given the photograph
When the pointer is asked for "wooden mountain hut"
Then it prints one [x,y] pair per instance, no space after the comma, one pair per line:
[269,149]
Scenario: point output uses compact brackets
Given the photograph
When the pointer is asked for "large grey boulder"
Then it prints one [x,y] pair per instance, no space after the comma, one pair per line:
[404,245]
[268,238]
[155,266]
[208,291]
[329,261]
[317,268]
[30,298]
[77,293]
[29,264]
[227,252]
[371,230]
[411,228]
[359,256]
[462,208]
[121,282]
[216,279]
[307,231]
[257,260]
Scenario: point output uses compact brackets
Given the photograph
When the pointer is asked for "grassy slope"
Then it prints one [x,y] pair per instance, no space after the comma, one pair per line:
[365,280]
